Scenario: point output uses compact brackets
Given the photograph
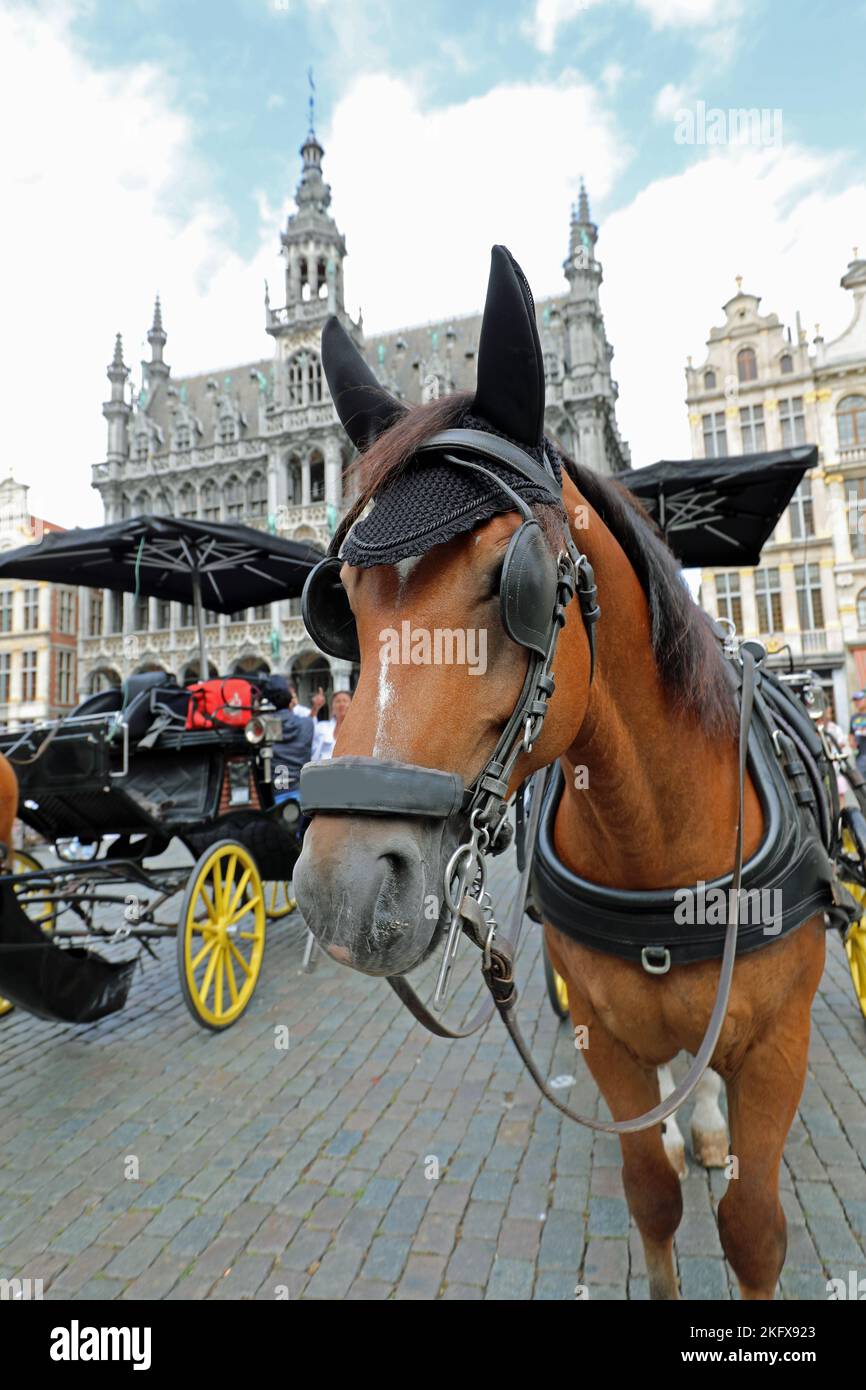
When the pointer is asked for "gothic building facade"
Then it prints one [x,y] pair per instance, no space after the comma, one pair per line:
[261,444]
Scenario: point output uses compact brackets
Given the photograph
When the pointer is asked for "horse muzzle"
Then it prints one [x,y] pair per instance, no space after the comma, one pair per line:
[369,879]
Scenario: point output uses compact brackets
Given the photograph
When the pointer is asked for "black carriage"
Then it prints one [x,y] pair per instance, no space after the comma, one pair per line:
[111,785]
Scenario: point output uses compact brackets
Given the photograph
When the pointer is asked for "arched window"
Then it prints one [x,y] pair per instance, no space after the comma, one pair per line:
[551,367]
[322,277]
[228,429]
[294,482]
[141,504]
[861,608]
[709,381]
[295,372]
[258,495]
[303,276]
[747,365]
[104,678]
[140,446]
[851,422]
[183,436]
[314,379]
[234,495]
[317,477]
[186,506]
[210,502]
[786,363]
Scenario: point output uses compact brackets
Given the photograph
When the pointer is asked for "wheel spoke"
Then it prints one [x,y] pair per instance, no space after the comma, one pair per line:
[208,946]
[244,909]
[230,976]
[218,1000]
[247,969]
[239,888]
[208,977]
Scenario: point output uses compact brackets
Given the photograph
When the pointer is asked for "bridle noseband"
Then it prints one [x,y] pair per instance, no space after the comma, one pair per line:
[353,785]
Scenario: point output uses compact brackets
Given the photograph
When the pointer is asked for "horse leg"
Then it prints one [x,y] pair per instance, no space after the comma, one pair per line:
[710,1143]
[672,1138]
[652,1187]
[762,1101]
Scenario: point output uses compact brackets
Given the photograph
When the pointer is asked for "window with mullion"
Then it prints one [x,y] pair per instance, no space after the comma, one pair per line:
[715,435]
[752,428]
[802,514]
[792,420]
[729,599]
[768,600]
[810,600]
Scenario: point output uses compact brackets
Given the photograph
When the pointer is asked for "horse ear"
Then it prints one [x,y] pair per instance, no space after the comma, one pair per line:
[510,390]
[365,408]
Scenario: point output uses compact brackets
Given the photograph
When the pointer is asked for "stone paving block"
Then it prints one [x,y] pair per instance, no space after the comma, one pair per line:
[195,1235]
[335,1275]
[555,1286]
[404,1216]
[421,1278]
[471,1261]
[703,1278]
[510,1279]
[608,1216]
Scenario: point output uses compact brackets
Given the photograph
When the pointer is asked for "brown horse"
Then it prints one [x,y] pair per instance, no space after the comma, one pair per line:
[656,732]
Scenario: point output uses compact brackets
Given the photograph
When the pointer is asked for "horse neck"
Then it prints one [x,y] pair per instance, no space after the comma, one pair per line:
[650,797]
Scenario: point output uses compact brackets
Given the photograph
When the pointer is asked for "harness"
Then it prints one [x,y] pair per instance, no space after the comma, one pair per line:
[534,585]
[791,876]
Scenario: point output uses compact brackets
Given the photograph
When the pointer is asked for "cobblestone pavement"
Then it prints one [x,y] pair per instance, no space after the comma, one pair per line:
[303,1172]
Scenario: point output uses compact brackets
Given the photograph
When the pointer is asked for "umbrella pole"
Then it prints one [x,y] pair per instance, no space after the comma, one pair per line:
[203,670]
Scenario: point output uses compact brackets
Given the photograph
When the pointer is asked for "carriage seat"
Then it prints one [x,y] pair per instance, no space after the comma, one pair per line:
[143,698]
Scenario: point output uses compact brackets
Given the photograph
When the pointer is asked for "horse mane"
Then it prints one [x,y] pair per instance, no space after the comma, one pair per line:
[687,654]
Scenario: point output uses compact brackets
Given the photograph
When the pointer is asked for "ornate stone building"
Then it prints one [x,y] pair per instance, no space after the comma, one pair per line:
[261,443]
[38,625]
[762,387]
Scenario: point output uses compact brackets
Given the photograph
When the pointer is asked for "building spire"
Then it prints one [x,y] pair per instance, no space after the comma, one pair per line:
[583,203]
[157,337]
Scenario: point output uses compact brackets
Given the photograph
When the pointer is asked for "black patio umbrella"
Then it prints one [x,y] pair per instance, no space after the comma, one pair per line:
[209,564]
[721,511]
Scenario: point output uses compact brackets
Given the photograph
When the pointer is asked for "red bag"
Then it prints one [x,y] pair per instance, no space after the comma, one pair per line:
[219,702]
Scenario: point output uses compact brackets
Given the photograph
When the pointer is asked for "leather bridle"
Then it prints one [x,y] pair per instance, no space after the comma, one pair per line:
[362,785]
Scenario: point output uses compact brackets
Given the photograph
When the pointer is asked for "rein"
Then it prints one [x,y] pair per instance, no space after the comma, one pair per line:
[500,950]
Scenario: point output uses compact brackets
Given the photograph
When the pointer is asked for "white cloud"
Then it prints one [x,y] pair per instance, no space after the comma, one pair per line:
[670,258]
[423,195]
[92,162]
[549,16]
[668,101]
[687,14]
[611,77]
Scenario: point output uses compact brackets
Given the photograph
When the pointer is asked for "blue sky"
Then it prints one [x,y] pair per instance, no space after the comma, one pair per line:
[156,148]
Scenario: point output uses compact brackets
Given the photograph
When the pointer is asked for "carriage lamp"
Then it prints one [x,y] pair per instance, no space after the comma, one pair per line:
[263,727]
[291,813]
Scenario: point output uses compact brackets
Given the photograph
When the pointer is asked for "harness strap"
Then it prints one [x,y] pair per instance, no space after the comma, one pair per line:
[498,967]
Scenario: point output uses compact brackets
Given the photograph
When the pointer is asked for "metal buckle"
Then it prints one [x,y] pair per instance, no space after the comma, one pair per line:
[658,951]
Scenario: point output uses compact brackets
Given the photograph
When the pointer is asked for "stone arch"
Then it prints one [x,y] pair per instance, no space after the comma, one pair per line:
[103,677]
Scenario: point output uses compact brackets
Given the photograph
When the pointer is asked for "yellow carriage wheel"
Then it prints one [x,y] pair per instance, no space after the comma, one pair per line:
[557,989]
[855,938]
[278,899]
[43,913]
[221,935]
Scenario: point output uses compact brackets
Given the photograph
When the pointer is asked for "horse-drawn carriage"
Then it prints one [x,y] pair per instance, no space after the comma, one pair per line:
[133,769]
